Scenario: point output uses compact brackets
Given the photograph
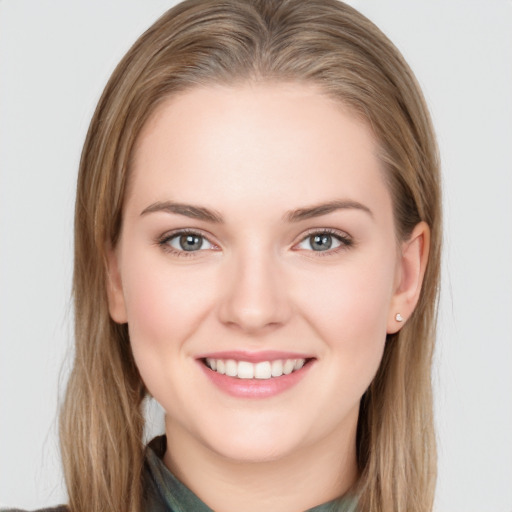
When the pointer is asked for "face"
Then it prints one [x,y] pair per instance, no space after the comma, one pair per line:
[257,268]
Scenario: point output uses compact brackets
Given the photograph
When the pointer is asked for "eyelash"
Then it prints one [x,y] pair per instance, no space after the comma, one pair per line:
[345,241]
[164,240]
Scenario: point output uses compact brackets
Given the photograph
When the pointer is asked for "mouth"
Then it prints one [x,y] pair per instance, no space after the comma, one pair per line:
[263,374]
[261,370]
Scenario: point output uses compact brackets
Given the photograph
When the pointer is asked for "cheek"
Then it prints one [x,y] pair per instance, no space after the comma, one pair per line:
[164,306]
[349,307]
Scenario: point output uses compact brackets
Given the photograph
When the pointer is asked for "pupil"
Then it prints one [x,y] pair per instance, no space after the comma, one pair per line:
[321,242]
[190,242]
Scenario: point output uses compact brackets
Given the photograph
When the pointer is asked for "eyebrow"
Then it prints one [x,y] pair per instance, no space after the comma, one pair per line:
[205,214]
[324,209]
[188,210]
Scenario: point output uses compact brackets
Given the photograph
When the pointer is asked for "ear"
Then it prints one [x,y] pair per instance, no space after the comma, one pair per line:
[410,272]
[116,303]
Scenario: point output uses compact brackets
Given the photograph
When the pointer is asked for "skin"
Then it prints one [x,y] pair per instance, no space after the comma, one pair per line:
[252,154]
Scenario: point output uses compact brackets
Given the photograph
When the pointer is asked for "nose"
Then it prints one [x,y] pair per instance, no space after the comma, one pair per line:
[255,298]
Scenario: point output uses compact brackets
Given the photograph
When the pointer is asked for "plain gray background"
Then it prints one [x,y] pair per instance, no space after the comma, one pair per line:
[55,58]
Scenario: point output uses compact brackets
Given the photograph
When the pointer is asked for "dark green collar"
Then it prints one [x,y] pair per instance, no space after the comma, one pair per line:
[165,493]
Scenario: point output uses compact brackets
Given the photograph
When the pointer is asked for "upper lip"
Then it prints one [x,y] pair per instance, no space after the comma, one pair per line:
[254,357]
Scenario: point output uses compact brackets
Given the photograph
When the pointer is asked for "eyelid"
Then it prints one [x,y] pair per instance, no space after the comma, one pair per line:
[346,241]
[343,237]
[163,240]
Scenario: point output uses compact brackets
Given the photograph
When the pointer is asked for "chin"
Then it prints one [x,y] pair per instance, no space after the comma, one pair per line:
[257,438]
[249,451]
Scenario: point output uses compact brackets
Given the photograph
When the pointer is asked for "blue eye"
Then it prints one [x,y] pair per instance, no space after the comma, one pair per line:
[187,242]
[324,241]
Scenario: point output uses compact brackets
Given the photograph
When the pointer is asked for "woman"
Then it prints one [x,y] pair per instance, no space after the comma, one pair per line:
[257,246]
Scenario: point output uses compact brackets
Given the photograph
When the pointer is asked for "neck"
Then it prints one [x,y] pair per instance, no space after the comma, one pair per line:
[301,480]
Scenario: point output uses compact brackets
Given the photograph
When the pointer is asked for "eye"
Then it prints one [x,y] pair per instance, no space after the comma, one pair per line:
[186,242]
[323,241]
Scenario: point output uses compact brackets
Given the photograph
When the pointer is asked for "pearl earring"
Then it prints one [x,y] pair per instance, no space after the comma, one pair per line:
[399,317]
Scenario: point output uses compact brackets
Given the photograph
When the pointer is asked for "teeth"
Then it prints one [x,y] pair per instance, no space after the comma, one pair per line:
[299,363]
[277,368]
[262,370]
[231,368]
[288,366]
[245,370]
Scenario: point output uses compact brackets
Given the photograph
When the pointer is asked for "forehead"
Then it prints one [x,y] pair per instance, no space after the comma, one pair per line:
[261,142]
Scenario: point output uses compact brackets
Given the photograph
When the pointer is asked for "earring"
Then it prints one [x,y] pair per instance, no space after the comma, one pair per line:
[399,317]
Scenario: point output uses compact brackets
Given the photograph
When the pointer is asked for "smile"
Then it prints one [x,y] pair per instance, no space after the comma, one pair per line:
[263,374]
[262,370]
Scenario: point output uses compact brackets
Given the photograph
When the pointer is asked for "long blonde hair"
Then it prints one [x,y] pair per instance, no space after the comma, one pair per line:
[201,42]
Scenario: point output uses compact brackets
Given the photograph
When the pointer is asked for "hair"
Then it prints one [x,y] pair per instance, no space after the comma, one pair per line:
[228,42]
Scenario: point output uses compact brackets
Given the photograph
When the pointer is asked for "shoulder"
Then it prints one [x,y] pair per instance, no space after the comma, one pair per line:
[61,508]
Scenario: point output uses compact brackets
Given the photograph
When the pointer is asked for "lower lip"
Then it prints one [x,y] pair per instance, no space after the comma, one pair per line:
[255,388]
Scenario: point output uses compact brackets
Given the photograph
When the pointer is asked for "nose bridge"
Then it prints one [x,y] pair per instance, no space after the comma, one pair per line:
[255,297]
